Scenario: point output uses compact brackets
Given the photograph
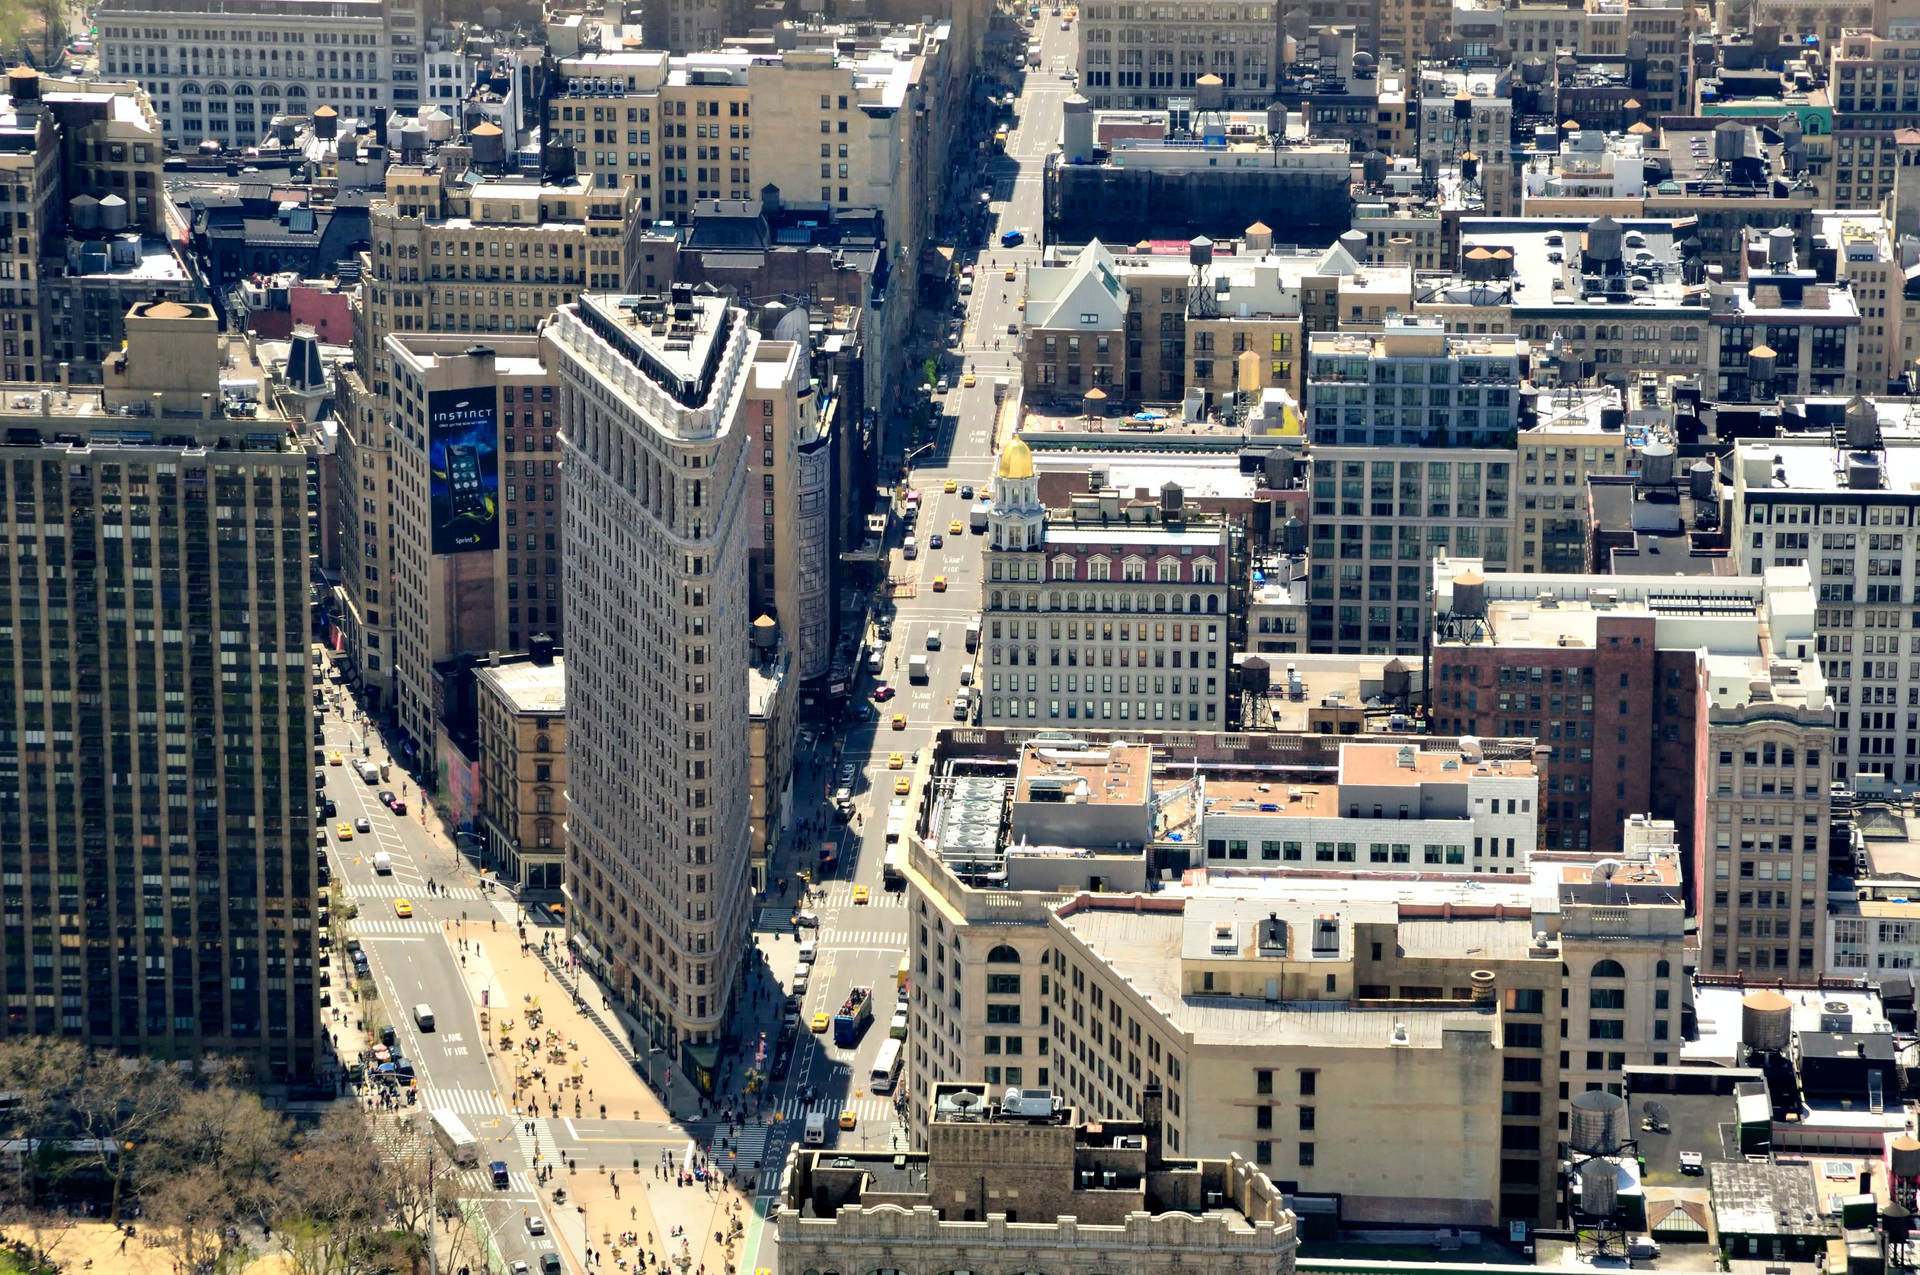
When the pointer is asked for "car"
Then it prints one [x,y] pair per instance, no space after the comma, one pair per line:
[1010,274]
[550,1264]
[402,908]
[896,760]
[899,721]
[329,809]
[519,1268]
[398,807]
[936,541]
[859,894]
[806,920]
[903,785]
[333,757]
[864,713]
[386,797]
[499,1171]
[1013,329]
[883,692]
[536,1225]
[1066,24]
[343,831]
[950,486]
[966,491]
[939,584]
[883,631]
[968,381]
[819,1023]
[362,825]
[1011,238]
[848,773]
[847,1119]
[940,386]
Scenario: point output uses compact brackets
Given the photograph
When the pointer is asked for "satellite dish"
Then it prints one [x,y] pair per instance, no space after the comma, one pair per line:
[966,1098]
[1604,870]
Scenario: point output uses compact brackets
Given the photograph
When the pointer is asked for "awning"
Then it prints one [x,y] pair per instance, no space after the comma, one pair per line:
[588,952]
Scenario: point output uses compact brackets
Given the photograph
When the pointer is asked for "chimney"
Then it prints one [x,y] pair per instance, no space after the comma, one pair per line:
[1150,1117]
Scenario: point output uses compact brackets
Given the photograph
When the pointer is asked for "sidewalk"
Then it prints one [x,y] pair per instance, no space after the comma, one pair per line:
[599,1204]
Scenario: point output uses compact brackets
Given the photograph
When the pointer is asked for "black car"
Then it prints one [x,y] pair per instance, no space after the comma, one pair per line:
[499,1170]
[884,631]
[329,808]
[387,1035]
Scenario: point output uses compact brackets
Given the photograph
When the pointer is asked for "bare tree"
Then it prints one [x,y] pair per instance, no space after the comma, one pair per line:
[115,1104]
[229,1132]
[407,1169]
[332,1205]
[192,1204]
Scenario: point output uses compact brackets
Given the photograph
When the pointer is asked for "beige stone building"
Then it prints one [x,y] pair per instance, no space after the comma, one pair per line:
[773,701]
[817,124]
[651,408]
[470,579]
[523,766]
[1024,1183]
[1577,434]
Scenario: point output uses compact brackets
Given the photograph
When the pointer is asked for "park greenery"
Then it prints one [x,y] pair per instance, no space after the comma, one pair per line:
[187,1158]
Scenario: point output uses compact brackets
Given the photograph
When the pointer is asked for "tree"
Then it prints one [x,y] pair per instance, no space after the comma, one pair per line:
[226,1131]
[193,1205]
[332,1210]
[115,1104]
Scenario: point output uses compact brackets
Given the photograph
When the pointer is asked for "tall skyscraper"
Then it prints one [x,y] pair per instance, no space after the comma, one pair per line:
[651,405]
[155,815]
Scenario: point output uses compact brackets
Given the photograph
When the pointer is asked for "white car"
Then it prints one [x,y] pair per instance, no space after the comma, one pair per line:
[536,1225]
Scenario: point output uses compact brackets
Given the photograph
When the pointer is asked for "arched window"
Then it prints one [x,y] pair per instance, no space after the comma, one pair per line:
[1213,604]
[541,744]
[1608,969]
[1003,955]
[1662,970]
[1193,603]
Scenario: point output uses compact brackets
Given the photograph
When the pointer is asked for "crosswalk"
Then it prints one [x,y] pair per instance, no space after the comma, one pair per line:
[840,895]
[834,937]
[478,1183]
[537,1147]
[864,1109]
[391,889]
[468,1102]
[377,927]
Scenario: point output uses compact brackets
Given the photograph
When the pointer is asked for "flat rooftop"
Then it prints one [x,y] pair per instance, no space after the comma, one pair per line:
[674,341]
[1717,1009]
[1546,257]
[1386,764]
[527,687]
[1121,775]
[1145,948]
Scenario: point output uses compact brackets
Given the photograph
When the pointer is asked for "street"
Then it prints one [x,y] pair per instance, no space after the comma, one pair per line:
[862,944]
[596,1116]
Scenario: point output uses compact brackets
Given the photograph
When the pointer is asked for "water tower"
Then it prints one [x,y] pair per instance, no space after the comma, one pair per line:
[1599,1142]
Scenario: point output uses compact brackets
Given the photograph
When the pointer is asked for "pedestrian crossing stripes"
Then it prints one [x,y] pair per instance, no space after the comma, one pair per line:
[468,1102]
[841,896]
[478,1183]
[377,927]
[833,938]
[864,1109]
[536,1147]
[402,890]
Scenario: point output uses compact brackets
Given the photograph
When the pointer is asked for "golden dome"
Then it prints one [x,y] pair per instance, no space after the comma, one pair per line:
[1016,460]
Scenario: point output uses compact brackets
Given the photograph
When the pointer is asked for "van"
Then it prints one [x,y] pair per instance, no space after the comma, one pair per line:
[966,675]
[499,1171]
[816,1133]
[382,862]
[933,639]
[876,661]
[808,949]
[423,1017]
[911,548]
[973,634]
[961,704]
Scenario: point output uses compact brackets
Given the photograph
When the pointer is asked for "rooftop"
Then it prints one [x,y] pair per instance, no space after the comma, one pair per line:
[528,687]
[1397,765]
[673,340]
[1548,259]
[1121,774]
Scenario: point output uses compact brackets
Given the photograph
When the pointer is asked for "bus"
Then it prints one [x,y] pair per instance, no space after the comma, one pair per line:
[891,877]
[886,1067]
[450,1131]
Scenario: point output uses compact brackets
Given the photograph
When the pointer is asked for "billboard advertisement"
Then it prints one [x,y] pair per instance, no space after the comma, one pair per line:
[462,452]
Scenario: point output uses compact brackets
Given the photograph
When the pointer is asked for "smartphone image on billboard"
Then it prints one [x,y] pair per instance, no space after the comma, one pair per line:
[463,479]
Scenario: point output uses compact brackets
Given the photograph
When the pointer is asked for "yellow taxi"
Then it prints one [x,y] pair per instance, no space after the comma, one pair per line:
[333,758]
[939,584]
[343,831]
[955,527]
[859,894]
[1022,307]
[968,381]
[819,1023]
[951,485]
[903,785]
[1009,274]
[896,760]
[847,1119]
[899,721]
[402,908]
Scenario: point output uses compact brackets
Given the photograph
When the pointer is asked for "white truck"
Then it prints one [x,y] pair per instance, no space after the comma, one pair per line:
[451,1132]
[977,517]
[916,668]
[382,862]
[368,772]
[816,1133]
